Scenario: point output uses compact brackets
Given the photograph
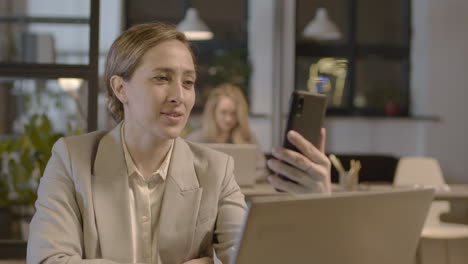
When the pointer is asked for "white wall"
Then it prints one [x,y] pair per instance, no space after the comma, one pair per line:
[397,137]
[443,40]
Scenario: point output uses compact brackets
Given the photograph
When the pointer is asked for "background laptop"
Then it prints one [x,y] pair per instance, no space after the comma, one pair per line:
[359,228]
[245,160]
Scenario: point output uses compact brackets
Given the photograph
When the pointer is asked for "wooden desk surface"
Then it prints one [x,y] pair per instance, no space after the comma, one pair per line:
[456,191]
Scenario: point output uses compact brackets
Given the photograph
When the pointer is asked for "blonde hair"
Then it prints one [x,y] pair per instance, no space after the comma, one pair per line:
[126,52]
[241,133]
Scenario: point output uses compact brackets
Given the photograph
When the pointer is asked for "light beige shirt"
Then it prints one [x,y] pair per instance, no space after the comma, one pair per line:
[145,204]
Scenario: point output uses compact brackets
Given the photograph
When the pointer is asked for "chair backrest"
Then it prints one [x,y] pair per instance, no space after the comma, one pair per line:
[418,170]
[424,171]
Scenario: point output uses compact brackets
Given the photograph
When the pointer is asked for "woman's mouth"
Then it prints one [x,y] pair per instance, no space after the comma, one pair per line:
[173,117]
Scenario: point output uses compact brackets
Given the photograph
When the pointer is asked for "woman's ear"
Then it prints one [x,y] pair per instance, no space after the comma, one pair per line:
[117,84]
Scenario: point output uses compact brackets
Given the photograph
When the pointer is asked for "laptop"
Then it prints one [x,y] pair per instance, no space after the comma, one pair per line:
[245,160]
[352,228]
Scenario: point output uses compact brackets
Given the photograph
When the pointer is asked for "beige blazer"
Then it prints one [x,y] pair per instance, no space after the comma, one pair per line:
[83,205]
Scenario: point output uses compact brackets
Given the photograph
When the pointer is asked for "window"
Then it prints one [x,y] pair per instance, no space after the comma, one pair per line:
[44,42]
[221,59]
[366,71]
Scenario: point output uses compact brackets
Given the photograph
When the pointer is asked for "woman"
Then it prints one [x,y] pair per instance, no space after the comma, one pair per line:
[139,193]
[226,120]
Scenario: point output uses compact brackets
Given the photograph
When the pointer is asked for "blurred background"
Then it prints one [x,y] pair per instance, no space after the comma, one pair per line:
[393,71]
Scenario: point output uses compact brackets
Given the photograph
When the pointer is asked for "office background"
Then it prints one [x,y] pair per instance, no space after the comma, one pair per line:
[437,80]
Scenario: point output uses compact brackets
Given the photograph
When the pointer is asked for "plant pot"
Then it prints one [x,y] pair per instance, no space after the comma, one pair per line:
[5,223]
[392,108]
[24,227]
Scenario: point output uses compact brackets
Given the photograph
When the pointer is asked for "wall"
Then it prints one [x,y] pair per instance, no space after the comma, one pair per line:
[444,40]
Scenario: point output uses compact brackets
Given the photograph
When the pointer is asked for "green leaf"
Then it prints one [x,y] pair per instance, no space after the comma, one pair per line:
[5,144]
[45,127]
[25,159]
[16,145]
[37,141]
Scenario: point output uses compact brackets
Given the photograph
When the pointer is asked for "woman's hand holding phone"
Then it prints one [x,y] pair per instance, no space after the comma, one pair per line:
[309,168]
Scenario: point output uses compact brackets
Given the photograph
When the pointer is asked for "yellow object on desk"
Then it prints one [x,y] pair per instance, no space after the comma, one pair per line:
[348,179]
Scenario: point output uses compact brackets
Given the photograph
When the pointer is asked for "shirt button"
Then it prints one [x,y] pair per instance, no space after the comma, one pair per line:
[144,218]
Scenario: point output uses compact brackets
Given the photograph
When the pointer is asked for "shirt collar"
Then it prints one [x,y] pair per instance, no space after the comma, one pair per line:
[131,167]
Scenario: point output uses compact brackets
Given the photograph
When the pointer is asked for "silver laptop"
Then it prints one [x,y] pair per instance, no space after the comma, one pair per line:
[352,228]
[245,160]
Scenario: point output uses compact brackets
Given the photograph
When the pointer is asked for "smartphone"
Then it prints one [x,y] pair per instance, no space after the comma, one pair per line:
[306,114]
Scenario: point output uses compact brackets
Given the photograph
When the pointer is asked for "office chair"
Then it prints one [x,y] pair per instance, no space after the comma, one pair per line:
[425,171]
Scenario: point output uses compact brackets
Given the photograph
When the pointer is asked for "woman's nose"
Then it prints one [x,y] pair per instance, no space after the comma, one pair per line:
[176,92]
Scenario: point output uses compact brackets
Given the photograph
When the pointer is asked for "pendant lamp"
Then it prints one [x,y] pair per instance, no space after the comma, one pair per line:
[321,27]
[193,27]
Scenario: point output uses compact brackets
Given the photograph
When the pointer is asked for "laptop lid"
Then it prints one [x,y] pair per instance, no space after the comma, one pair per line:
[352,228]
[245,160]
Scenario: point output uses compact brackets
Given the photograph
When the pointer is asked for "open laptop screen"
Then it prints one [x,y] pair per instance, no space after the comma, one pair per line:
[352,228]
[245,160]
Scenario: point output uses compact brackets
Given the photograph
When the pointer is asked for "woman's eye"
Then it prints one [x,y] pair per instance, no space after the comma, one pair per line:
[189,83]
[161,78]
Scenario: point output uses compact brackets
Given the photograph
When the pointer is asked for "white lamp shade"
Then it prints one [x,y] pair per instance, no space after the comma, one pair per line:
[193,27]
[321,27]
[70,84]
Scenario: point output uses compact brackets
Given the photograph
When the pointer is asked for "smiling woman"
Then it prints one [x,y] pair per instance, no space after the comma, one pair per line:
[172,201]
[160,94]
[139,193]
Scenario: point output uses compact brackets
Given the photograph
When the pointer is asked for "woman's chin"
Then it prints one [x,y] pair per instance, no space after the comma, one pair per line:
[172,133]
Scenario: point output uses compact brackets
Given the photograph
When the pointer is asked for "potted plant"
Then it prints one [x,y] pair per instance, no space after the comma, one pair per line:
[386,98]
[23,161]
[392,104]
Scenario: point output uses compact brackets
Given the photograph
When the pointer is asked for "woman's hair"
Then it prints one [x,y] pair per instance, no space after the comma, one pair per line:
[126,52]
[241,133]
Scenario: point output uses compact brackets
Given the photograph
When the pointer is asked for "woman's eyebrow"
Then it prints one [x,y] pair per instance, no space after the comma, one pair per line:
[159,69]
[169,70]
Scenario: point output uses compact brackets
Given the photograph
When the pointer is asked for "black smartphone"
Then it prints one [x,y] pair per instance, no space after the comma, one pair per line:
[306,114]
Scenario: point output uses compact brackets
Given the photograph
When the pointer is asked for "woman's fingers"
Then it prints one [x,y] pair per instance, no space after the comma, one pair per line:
[291,172]
[306,148]
[291,187]
[299,161]
[309,167]
[323,139]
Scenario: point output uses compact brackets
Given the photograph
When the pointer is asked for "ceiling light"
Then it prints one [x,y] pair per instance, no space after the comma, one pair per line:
[321,27]
[193,27]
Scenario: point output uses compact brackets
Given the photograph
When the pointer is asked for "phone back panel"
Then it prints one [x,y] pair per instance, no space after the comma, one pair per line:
[307,111]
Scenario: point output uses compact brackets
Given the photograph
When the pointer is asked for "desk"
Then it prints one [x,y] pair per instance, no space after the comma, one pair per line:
[457,191]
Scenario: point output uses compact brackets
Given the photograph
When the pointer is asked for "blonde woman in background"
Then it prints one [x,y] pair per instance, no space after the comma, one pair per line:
[226,120]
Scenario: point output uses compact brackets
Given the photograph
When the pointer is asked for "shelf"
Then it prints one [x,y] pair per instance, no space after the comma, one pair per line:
[46,71]
[311,49]
[385,118]
[48,20]
[319,50]
[12,249]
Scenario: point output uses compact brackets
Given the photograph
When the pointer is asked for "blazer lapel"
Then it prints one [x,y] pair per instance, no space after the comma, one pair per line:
[111,198]
[180,206]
